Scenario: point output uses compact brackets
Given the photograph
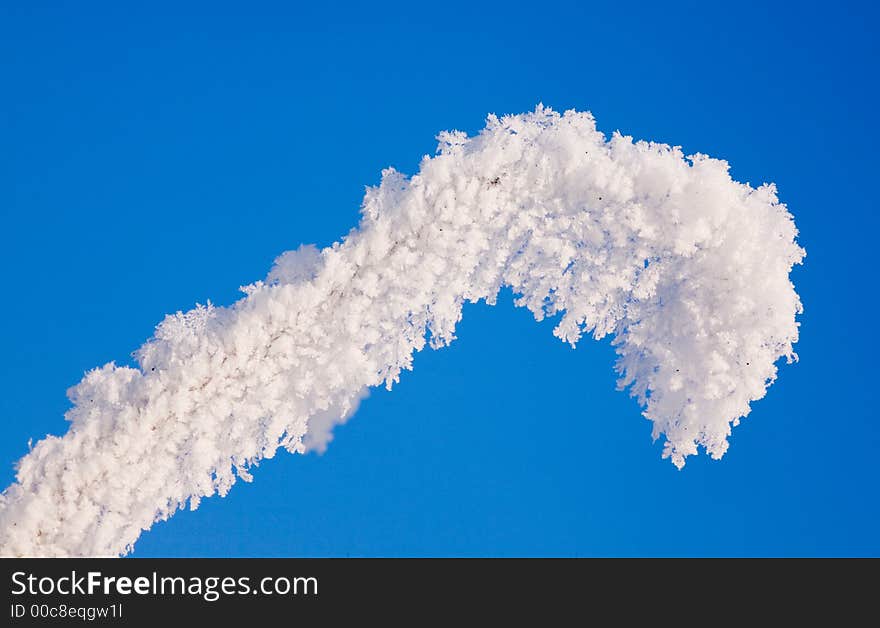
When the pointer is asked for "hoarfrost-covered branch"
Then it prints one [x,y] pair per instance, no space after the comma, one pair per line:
[687,269]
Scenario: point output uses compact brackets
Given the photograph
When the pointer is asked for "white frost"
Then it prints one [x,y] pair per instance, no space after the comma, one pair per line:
[686,268]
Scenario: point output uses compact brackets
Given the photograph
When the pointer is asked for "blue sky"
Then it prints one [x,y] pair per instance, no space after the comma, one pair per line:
[155,157]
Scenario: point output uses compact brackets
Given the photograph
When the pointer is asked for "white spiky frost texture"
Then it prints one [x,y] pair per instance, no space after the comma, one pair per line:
[687,269]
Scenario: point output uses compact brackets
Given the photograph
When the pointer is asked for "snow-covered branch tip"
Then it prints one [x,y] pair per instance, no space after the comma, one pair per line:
[687,269]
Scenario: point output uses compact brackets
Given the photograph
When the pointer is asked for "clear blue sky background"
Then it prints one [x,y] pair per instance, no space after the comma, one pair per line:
[157,156]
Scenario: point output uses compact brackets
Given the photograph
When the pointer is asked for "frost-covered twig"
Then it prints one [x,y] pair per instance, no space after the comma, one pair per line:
[686,268]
